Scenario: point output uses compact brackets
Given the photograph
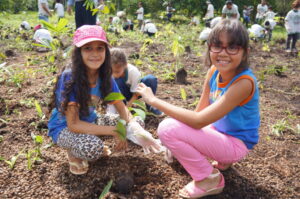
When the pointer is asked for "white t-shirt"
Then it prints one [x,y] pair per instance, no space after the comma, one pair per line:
[134,77]
[210,11]
[261,10]
[26,25]
[140,15]
[292,22]
[195,20]
[256,30]
[116,20]
[41,9]
[270,15]
[60,9]
[230,12]
[41,35]
[150,27]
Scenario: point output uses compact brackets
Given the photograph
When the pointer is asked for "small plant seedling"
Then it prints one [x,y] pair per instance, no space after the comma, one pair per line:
[1,138]
[39,110]
[121,129]
[106,189]
[280,127]
[11,163]
[183,94]
[114,96]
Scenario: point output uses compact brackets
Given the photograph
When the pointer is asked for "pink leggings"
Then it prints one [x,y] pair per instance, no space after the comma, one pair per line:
[192,146]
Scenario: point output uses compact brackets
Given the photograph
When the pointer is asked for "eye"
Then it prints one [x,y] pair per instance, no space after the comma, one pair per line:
[233,47]
[87,48]
[101,48]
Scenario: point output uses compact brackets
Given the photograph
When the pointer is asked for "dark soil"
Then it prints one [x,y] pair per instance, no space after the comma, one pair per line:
[271,170]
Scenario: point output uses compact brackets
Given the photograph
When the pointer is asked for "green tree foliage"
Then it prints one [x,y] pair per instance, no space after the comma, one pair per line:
[156,7]
[16,6]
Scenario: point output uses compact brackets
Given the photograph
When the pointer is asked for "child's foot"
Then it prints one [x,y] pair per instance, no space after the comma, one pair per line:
[77,165]
[213,184]
[156,111]
[288,50]
[294,50]
[220,166]
[106,151]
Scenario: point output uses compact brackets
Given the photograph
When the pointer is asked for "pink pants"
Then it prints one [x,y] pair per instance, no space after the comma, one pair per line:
[192,146]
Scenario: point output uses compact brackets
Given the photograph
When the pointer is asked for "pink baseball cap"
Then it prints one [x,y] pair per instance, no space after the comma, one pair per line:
[88,33]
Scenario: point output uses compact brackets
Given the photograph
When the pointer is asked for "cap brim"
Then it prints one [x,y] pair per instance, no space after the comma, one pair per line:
[85,41]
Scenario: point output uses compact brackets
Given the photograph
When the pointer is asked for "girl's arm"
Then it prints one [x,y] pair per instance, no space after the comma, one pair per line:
[78,126]
[236,93]
[123,111]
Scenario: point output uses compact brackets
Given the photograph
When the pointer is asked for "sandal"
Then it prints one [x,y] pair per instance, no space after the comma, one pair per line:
[221,166]
[78,168]
[194,191]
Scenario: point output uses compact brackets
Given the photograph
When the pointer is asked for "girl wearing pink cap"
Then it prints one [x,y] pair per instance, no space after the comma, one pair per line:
[74,123]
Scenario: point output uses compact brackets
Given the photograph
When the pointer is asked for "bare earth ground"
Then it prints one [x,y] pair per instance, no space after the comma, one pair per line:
[270,171]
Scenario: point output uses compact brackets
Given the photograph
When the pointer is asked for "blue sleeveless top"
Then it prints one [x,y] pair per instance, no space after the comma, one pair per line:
[244,120]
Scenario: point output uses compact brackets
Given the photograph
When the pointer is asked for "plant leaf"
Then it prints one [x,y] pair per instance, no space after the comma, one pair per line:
[139,112]
[183,94]
[38,109]
[121,129]
[140,104]
[106,189]
[114,96]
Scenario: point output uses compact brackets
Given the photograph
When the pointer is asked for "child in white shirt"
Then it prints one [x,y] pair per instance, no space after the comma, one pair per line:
[59,7]
[292,25]
[128,77]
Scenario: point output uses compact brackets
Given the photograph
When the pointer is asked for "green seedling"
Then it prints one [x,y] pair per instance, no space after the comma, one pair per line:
[1,138]
[106,189]
[39,110]
[114,96]
[121,129]
[34,155]
[59,28]
[280,127]
[183,94]
[11,163]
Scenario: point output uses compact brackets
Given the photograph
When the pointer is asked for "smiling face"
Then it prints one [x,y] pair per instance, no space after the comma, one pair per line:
[224,62]
[93,55]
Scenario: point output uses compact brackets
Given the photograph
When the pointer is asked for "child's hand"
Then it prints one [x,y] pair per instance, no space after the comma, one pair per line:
[120,143]
[146,93]
[139,136]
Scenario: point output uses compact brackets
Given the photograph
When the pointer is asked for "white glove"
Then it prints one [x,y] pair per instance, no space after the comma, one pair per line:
[140,136]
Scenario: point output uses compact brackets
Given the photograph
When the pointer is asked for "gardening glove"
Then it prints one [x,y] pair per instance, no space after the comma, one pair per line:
[140,136]
[168,155]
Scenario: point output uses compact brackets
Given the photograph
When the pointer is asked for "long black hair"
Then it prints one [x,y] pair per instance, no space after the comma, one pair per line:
[79,82]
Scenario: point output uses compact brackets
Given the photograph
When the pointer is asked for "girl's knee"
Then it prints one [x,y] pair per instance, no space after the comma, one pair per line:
[167,129]
[91,149]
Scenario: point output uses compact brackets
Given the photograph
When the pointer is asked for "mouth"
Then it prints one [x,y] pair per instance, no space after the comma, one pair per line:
[223,61]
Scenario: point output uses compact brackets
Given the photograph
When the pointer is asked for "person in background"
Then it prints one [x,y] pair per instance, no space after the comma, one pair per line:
[246,15]
[59,7]
[270,14]
[149,28]
[292,25]
[209,15]
[127,76]
[43,10]
[140,15]
[170,11]
[41,35]
[25,25]
[225,124]
[127,24]
[194,21]
[83,16]
[230,11]
[262,9]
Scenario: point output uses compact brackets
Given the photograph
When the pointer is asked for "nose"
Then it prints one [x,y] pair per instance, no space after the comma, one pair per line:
[223,51]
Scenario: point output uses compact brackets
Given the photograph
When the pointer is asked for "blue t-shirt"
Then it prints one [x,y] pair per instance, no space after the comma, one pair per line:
[244,120]
[57,120]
